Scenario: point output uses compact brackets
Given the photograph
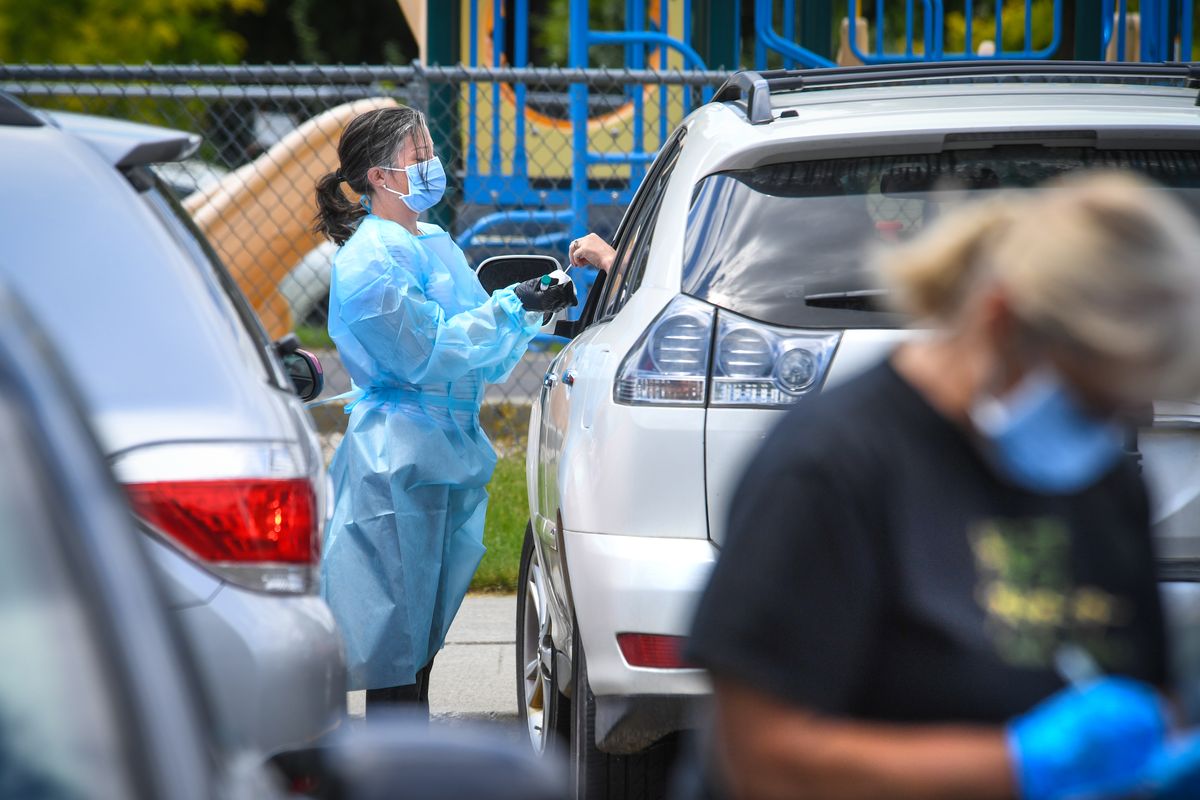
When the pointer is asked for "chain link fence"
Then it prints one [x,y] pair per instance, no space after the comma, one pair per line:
[536,157]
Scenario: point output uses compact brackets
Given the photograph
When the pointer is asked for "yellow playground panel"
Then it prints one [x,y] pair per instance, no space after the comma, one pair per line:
[548,139]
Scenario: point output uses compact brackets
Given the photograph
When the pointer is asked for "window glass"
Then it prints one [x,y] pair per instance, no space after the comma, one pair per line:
[792,244]
[253,343]
[616,291]
[635,233]
[641,251]
[60,735]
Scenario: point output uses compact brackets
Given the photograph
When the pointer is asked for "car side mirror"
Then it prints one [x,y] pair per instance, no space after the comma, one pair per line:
[399,755]
[499,272]
[569,329]
[566,328]
[302,368]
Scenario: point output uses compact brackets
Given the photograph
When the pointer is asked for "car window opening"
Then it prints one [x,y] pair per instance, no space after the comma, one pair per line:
[792,244]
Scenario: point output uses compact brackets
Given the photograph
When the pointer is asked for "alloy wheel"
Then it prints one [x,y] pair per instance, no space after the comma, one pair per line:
[537,655]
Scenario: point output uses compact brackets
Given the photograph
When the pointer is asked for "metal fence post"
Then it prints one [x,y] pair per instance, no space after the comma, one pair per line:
[816,28]
[441,37]
[1089,30]
[578,56]
[714,22]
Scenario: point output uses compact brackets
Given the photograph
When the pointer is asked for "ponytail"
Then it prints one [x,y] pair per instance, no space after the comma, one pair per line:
[337,216]
[372,139]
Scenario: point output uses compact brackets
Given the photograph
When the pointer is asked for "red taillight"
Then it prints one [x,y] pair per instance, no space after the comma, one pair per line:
[653,650]
[243,521]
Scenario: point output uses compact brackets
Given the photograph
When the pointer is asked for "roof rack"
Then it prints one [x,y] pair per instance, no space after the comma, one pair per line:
[759,86]
[14,112]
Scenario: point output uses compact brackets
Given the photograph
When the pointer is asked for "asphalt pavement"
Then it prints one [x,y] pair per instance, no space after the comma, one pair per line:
[474,677]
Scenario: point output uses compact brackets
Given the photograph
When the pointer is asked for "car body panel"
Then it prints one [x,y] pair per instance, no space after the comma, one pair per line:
[733,435]
[250,641]
[162,355]
[639,585]
[638,487]
[1181,606]
[267,694]
[123,143]
[1171,463]
[131,660]
[183,583]
[69,262]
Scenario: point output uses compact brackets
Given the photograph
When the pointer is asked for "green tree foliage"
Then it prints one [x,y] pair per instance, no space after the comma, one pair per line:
[330,32]
[1013,28]
[550,21]
[128,31]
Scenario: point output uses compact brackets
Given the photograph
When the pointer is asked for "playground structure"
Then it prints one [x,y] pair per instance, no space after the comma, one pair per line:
[554,171]
[539,165]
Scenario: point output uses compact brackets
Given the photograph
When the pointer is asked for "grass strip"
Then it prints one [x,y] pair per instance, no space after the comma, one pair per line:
[504,529]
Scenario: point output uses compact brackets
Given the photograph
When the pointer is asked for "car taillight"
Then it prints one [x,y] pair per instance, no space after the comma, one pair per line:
[248,513]
[236,521]
[669,364]
[750,365]
[758,365]
[652,650]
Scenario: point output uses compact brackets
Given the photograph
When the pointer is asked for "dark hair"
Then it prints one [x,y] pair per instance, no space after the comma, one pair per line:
[370,140]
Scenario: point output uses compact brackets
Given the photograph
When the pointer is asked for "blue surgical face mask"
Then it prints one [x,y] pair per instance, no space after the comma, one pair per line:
[1040,438]
[424,191]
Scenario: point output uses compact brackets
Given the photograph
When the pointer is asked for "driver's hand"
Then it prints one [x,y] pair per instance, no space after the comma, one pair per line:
[593,251]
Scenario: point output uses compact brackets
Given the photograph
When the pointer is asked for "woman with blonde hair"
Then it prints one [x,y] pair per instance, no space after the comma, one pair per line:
[939,576]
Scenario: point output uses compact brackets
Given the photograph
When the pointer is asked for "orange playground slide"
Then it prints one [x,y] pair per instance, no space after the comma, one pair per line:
[259,217]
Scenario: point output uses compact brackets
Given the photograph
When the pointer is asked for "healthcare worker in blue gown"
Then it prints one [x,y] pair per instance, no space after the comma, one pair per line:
[421,338]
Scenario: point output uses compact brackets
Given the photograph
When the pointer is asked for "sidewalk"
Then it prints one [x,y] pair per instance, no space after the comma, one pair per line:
[474,677]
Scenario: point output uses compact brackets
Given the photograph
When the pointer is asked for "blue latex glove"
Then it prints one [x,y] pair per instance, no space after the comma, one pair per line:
[1097,740]
[1174,773]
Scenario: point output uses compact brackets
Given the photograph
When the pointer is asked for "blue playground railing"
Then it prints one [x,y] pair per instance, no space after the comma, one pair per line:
[565,209]
[1155,41]
[767,39]
[924,30]
[933,29]
[513,186]
[496,178]
[547,210]
[635,38]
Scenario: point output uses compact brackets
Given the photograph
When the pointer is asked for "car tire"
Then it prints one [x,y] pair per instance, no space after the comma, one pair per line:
[596,775]
[542,708]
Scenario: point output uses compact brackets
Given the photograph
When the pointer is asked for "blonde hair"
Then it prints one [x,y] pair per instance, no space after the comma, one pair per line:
[1103,264]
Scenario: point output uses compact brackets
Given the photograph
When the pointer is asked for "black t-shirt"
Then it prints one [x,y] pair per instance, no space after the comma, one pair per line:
[875,567]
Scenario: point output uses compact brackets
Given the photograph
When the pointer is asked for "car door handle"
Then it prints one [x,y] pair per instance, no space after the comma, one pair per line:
[549,380]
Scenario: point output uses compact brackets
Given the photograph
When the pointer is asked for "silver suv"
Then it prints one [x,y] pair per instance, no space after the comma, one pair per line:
[217,454]
[740,285]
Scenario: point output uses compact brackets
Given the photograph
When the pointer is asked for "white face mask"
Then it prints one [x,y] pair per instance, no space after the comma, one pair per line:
[425,191]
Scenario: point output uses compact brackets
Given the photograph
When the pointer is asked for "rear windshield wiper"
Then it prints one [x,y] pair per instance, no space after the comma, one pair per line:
[854,300]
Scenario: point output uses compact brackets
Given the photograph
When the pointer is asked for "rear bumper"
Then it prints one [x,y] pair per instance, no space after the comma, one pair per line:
[271,666]
[626,725]
[636,584]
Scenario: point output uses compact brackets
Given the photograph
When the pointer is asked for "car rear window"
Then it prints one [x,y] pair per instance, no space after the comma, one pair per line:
[792,243]
[227,299]
[151,340]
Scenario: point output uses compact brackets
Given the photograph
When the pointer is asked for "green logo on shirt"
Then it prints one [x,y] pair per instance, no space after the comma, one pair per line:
[1026,587]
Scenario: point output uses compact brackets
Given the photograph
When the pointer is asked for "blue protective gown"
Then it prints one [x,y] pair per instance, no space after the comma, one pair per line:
[419,334]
